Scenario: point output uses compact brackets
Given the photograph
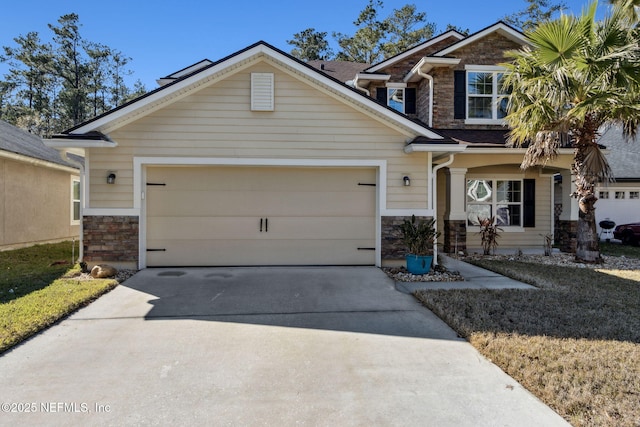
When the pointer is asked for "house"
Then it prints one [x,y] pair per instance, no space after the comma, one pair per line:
[619,201]
[39,192]
[261,159]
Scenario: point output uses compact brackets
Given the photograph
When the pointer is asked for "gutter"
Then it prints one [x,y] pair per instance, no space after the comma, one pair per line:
[360,88]
[37,162]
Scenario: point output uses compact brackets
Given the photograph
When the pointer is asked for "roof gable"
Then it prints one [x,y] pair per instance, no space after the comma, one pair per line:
[210,73]
[399,57]
[499,27]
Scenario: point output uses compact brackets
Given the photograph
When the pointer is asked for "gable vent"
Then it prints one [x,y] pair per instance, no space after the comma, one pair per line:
[262,92]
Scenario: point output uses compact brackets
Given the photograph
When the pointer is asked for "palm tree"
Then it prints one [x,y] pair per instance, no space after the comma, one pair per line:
[630,8]
[577,76]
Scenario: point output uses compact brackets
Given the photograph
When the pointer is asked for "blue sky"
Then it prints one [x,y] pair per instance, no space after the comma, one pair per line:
[165,36]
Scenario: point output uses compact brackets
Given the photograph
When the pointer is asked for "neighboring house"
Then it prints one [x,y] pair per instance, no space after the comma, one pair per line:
[39,192]
[261,159]
[619,201]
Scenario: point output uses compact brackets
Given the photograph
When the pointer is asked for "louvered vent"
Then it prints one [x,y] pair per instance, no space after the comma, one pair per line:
[262,91]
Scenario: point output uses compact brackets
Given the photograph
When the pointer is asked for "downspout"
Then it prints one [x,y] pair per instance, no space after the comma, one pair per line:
[430,78]
[434,201]
[355,85]
[80,166]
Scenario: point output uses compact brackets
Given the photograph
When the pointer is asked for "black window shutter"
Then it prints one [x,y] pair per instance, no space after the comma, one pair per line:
[381,95]
[459,94]
[529,203]
[410,100]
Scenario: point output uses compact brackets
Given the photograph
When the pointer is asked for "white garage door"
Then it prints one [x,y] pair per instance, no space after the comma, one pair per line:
[208,216]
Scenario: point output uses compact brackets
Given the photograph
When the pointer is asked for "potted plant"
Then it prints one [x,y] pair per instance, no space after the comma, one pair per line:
[419,238]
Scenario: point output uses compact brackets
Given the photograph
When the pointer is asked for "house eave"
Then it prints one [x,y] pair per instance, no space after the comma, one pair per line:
[437,147]
[427,64]
[500,28]
[182,87]
[36,162]
[77,146]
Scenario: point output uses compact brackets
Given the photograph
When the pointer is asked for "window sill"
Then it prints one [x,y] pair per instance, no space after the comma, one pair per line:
[484,122]
[514,229]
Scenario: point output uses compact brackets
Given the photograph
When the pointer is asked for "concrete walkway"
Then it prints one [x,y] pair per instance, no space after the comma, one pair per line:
[474,278]
[258,346]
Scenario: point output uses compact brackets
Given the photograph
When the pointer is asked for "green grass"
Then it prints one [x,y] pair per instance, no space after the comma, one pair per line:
[616,249]
[35,294]
[575,342]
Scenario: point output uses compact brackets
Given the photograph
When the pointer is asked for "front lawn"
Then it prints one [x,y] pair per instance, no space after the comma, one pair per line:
[38,287]
[574,343]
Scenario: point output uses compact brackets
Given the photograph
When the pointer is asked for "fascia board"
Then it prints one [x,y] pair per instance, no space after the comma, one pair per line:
[430,62]
[499,27]
[36,162]
[61,143]
[168,92]
[353,96]
[400,57]
[188,84]
[434,148]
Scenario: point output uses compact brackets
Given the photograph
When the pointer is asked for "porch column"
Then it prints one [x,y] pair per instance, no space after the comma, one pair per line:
[567,226]
[455,214]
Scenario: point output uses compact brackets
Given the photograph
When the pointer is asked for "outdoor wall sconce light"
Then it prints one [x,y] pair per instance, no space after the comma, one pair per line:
[407,181]
[111,178]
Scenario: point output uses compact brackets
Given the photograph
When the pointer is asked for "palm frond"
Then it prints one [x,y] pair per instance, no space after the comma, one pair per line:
[595,167]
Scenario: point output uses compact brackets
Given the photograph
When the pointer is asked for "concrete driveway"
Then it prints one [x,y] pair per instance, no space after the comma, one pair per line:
[259,346]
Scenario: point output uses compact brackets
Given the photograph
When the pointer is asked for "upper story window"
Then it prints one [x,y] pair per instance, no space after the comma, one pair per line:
[485,97]
[398,96]
[395,98]
[478,95]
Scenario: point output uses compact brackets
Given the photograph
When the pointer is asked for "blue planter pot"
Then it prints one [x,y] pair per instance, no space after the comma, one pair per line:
[419,264]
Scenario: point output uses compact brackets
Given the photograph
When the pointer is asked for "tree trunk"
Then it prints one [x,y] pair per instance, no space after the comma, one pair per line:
[588,245]
[587,242]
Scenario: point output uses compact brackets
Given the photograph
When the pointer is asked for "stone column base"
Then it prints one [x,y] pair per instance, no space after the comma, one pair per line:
[110,239]
[567,233]
[392,246]
[455,236]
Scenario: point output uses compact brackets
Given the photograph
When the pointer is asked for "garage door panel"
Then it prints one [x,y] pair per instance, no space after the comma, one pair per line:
[243,228]
[227,203]
[211,216]
[238,178]
[203,228]
[265,252]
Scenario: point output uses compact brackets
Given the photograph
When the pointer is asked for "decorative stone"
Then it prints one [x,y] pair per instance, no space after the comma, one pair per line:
[102,271]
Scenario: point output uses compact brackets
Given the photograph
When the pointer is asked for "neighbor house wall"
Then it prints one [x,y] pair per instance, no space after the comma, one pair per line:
[35,204]
[624,208]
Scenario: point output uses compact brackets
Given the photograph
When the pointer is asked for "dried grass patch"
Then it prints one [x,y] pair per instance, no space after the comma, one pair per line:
[574,343]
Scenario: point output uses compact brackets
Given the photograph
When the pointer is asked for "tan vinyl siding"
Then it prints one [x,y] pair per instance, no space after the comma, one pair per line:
[218,122]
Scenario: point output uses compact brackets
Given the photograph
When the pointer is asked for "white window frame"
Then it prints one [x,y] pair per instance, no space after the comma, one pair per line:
[603,195]
[634,195]
[619,195]
[74,201]
[391,88]
[493,203]
[495,95]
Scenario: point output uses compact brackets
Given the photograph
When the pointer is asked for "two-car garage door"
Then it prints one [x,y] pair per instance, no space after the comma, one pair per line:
[232,215]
